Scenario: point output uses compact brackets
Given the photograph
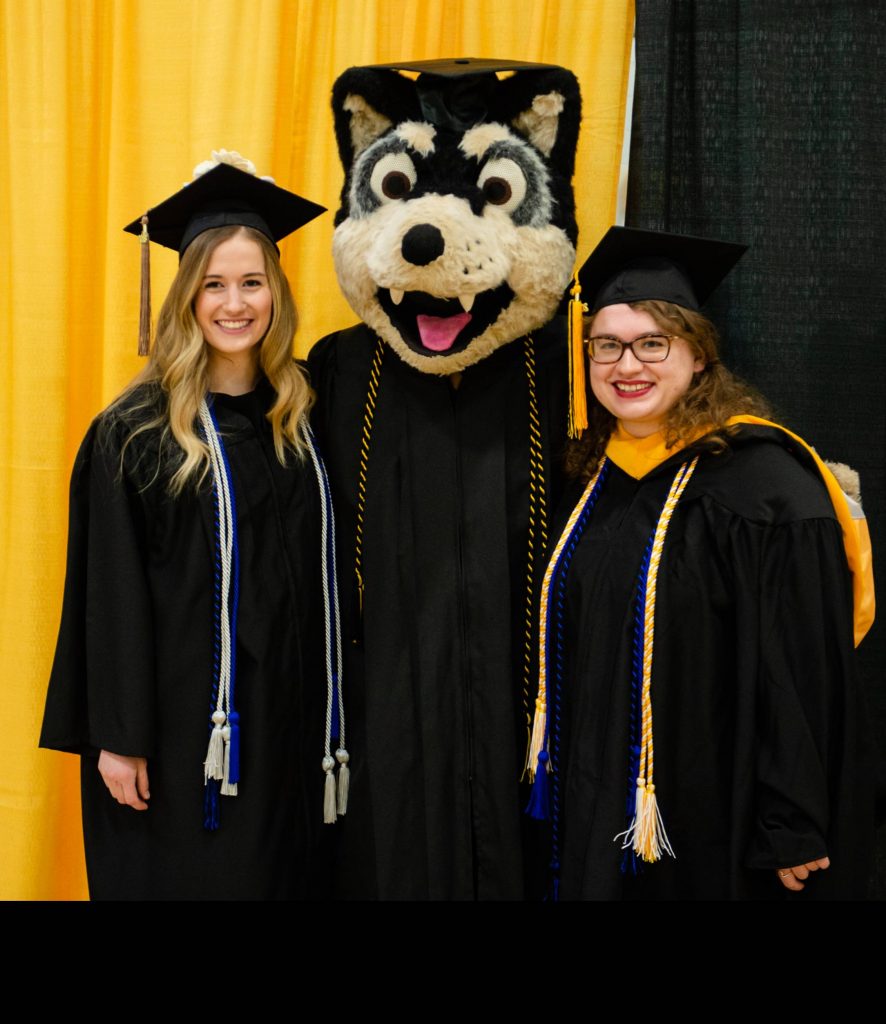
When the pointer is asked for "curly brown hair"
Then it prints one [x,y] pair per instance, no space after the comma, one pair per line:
[714,394]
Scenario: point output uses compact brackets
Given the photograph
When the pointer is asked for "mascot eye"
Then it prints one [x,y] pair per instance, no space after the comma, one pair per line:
[503,184]
[395,185]
[393,177]
[497,191]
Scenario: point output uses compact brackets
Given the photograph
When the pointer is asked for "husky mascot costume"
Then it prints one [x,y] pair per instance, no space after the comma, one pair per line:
[442,416]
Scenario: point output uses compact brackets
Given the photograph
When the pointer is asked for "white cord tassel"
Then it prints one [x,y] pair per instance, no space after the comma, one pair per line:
[344,779]
[213,766]
[329,809]
[217,764]
[227,788]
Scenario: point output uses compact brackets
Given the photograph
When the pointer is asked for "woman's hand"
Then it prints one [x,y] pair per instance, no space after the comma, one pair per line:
[126,779]
[793,878]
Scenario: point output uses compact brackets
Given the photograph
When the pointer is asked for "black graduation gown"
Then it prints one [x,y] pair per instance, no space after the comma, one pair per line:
[133,666]
[760,757]
[437,731]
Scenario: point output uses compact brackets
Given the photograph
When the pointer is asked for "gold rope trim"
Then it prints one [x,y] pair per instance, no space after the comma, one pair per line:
[365,439]
[539,723]
[538,527]
[646,834]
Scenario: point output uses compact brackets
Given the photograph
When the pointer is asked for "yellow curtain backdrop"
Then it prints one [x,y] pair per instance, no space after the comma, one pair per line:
[105,107]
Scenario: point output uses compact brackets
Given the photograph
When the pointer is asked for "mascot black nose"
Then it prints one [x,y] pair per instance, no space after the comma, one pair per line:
[422,244]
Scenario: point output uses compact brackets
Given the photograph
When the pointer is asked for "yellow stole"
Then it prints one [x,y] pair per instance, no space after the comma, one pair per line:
[639,456]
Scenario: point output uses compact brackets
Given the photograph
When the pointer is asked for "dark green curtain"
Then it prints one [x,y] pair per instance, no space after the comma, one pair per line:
[764,121]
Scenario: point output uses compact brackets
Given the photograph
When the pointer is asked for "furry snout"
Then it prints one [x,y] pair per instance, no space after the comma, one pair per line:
[437,244]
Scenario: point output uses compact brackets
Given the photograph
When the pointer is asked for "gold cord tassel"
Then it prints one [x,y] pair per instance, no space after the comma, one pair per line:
[144,318]
[539,727]
[578,401]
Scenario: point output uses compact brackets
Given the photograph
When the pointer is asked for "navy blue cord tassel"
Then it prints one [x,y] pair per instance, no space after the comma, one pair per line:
[539,806]
[210,805]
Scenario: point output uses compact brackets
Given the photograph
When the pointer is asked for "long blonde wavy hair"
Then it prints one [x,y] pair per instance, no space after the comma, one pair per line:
[714,394]
[178,363]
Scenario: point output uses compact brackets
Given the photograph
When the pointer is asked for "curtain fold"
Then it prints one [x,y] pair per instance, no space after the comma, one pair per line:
[105,107]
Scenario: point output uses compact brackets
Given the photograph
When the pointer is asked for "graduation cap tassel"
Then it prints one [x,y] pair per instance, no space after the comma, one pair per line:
[144,316]
[578,399]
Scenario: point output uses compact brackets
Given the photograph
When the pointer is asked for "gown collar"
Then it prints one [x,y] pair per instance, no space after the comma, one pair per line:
[638,456]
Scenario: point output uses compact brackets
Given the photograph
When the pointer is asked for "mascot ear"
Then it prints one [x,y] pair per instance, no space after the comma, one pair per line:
[545,108]
[366,102]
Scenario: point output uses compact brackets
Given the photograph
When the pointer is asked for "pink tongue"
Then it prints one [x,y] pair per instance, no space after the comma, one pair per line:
[439,332]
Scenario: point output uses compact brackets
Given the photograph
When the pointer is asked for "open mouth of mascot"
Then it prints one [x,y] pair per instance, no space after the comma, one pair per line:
[428,324]
[451,243]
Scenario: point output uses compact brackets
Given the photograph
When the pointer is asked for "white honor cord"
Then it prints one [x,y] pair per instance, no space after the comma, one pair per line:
[214,766]
[332,623]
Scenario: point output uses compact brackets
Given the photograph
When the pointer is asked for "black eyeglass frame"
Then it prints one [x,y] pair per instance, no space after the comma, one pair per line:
[589,346]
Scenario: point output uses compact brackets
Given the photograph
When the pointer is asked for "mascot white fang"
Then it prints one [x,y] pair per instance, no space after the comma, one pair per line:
[442,415]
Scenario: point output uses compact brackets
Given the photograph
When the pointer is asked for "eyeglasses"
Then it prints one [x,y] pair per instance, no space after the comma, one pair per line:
[648,348]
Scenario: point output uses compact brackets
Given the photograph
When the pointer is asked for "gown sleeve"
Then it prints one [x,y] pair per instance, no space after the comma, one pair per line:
[810,784]
[101,690]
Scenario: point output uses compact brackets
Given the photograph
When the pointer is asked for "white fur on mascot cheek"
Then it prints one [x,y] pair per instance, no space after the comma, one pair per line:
[535,262]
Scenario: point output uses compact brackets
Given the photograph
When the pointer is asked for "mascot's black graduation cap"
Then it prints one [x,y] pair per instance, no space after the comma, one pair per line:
[455,93]
[224,195]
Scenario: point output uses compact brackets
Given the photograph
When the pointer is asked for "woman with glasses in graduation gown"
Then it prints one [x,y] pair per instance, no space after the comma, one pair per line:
[193,619]
[700,714]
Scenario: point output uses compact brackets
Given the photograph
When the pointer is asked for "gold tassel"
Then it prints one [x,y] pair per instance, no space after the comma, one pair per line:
[578,401]
[650,839]
[144,318]
[539,727]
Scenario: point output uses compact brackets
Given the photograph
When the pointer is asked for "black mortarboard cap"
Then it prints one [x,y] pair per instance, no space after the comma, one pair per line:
[630,265]
[221,196]
[454,92]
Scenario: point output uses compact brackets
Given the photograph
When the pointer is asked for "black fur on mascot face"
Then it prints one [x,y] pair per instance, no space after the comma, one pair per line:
[456,233]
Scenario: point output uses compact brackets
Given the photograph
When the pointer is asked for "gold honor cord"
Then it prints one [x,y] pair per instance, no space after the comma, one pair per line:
[365,439]
[646,834]
[539,722]
[538,527]
[537,535]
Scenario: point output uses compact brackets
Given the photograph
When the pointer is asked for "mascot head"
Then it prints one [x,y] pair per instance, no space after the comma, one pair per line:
[456,232]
